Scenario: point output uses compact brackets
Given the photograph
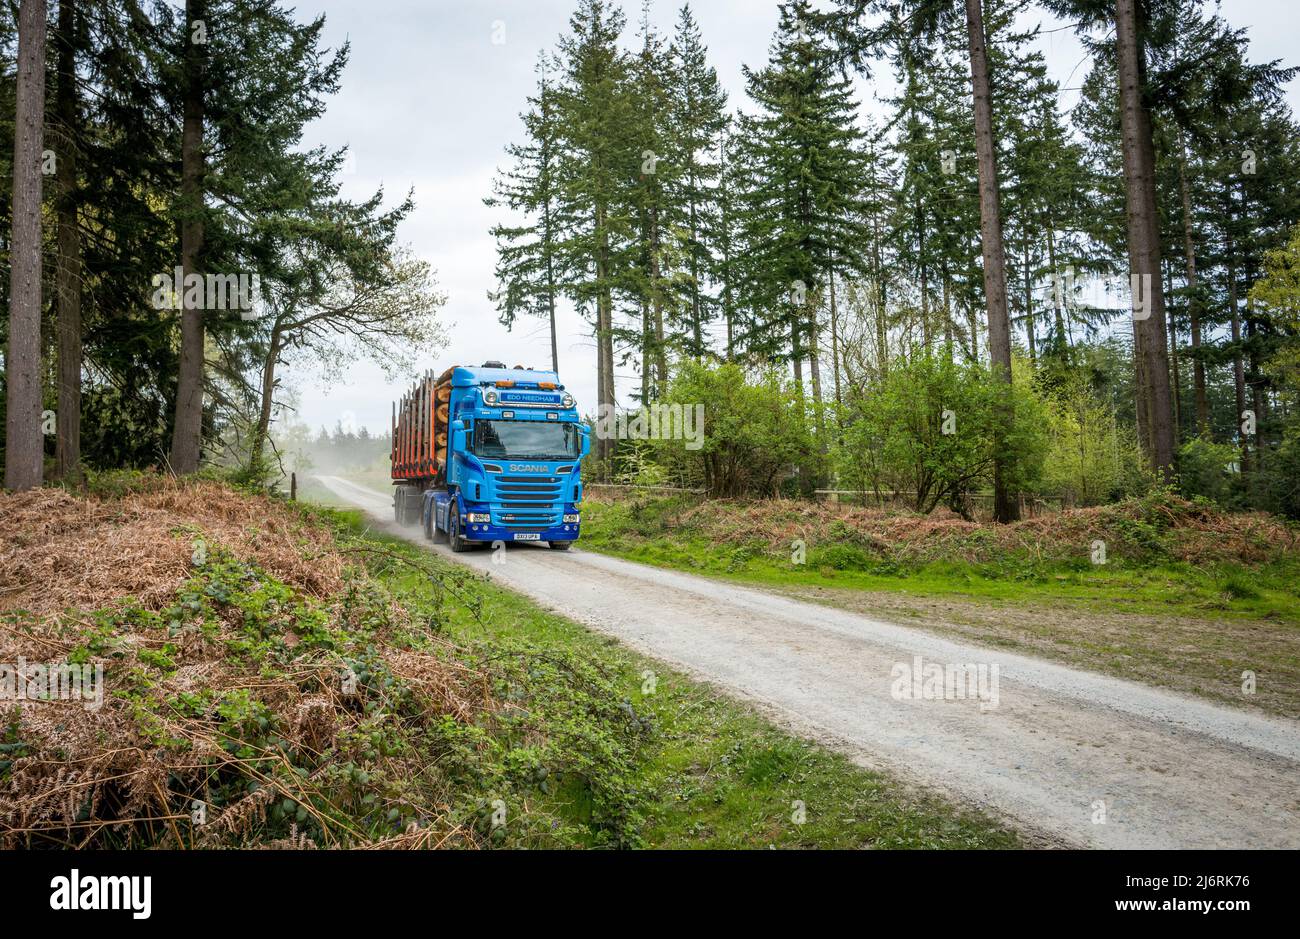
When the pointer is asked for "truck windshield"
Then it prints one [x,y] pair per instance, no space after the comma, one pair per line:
[526,440]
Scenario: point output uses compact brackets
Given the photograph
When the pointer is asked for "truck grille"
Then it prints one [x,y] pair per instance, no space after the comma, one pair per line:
[514,490]
[527,503]
[531,520]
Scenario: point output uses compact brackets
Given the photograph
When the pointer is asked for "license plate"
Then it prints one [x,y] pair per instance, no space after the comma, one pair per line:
[528,536]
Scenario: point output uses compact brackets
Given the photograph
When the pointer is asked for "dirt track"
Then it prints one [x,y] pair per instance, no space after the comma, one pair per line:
[1172,772]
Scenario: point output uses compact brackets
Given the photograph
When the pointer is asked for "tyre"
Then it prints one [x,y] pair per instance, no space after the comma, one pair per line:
[458,544]
[560,545]
[427,519]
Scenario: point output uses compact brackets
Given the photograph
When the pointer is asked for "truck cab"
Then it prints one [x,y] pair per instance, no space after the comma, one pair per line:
[513,459]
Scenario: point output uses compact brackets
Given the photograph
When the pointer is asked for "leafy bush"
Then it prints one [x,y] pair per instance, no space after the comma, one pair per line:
[1210,470]
[1091,458]
[757,433]
[933,428]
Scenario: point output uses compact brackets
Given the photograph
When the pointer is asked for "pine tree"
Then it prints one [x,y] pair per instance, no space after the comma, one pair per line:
[1137,147]
[697,119]
[655,256]
[593,211]
[528,262]
[804,180]
[239,189]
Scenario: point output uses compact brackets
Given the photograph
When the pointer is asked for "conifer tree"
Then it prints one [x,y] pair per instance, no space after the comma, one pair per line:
[596,163]
[528,270]
[803,204]
[697,117]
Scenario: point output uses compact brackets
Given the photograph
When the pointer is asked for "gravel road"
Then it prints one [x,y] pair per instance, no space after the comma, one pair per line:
[1085,759]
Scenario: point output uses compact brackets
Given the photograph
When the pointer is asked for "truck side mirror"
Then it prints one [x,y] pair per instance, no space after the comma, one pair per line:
[458,436]
[586,441]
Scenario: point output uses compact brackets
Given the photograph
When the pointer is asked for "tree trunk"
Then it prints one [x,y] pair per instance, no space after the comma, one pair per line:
[604,334]
[550,288]
[1144,237]
[796,356]
[187,434]
[661,347]
[947,311]
[1005,506]
[835,343]
[647,365]
[1238,370]
[263,429]
[814,360]
[1058,291]
[923,272]
[697,313]
[1174,371]
[24,440]
[724,196]
[1202,401]
[67,276]
[878,299]
[1029,307]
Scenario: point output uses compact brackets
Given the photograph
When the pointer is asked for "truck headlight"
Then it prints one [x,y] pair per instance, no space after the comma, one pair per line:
[480,517]
[490,397]
[567,400]
[571,518]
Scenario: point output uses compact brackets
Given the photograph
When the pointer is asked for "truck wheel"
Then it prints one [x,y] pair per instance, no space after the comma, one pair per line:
[428,520]
[458,544]
[560,545]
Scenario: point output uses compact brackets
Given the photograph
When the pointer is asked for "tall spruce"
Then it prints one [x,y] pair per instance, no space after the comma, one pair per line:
[528,269]
[698,115]
[593,109]
[659,162]
[803,205]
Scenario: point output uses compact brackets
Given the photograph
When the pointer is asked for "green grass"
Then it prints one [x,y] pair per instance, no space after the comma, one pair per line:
[707,773]
[644,533]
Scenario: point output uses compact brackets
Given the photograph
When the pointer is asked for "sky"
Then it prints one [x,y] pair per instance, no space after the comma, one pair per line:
[430,99]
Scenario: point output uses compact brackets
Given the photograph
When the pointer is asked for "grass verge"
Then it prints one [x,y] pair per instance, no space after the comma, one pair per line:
[278,675]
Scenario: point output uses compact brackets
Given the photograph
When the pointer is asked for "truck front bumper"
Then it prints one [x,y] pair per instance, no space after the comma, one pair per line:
[476,531]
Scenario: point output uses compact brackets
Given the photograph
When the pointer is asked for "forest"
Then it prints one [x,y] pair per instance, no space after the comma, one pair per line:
[981,291]
[940,488]
[172,243]
[979,297]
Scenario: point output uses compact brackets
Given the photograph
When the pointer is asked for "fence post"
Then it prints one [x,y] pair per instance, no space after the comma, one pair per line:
[293,487]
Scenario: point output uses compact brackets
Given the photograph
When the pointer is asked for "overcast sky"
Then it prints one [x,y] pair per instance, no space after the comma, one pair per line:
[433,94]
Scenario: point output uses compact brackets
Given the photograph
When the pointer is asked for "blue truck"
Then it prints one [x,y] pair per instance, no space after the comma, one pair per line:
[489,454]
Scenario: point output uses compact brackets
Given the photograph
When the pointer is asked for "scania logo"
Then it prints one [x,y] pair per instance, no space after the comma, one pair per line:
[524,468]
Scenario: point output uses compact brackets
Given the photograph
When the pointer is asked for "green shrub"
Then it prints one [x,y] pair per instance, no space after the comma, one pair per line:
[934,427]
[1211,470]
